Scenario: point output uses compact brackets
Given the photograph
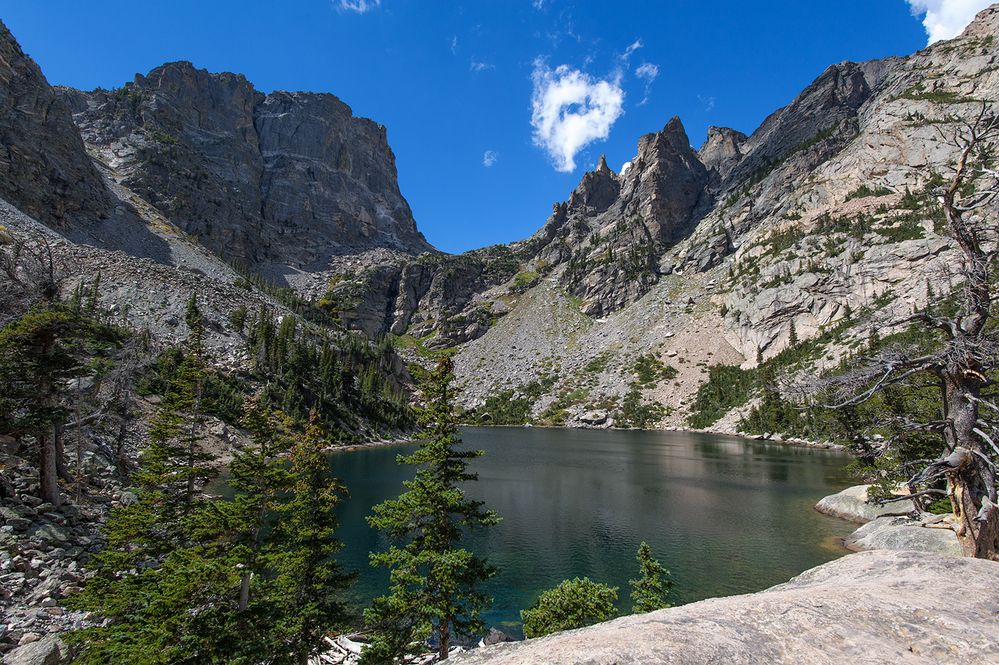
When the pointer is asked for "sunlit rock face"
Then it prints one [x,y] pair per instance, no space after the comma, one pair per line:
[281,182]
[846,611]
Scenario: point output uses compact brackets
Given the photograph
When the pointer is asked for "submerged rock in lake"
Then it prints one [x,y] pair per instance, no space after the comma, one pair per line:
[872,607]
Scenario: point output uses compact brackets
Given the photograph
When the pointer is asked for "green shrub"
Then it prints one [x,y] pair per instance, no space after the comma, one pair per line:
[650,370]
[635,413]
[525,280]
[572,604]
[864,191]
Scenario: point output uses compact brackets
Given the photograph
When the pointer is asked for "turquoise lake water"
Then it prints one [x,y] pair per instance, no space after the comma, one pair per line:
[726,515]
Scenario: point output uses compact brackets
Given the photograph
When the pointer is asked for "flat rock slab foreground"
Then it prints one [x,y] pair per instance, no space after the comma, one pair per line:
[868,608]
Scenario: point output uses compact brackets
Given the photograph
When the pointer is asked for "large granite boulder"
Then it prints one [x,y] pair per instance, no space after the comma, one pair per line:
[872,607]
[905,533]
[851,504]
[49,650]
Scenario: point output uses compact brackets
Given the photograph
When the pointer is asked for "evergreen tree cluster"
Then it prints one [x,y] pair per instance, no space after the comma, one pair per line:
[44,352]
[346,382]
[244,578]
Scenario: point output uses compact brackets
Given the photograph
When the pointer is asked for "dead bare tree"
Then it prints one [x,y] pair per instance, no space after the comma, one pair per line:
[963,366]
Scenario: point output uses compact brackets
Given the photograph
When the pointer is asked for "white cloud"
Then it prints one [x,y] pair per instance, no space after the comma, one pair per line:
[648,72]
[946,19]
[538,4]
[709,103]
[634,46]
[454,45]
[359,6]
[480,66]
[571,109]
[489,158]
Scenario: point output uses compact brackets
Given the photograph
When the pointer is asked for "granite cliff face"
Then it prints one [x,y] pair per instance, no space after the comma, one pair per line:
[44,169]
[609,235]
[281,182]
[177,172]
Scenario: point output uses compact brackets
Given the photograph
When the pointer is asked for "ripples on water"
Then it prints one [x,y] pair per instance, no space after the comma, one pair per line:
[725,515]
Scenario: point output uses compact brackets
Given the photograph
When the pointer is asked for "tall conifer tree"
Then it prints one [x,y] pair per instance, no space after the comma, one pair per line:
[434,588]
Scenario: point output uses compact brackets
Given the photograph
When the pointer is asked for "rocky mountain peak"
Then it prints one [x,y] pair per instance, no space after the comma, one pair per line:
[664,145]
[721,150]
[280,181]
[664,183]
[44,169]
[985,25]
[596,191]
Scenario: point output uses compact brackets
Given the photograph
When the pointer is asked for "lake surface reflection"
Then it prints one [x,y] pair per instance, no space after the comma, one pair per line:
[725,515]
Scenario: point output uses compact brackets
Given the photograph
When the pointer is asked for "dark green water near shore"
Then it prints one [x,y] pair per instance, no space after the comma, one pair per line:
[725,515]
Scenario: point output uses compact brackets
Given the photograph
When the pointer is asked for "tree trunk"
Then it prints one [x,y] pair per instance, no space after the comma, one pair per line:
[62,469]
[971,481]
[120,456]
[444,638]
[978,515]
[48,474]
[244,591]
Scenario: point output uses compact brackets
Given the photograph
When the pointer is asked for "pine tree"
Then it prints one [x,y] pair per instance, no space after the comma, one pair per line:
[434,582]
[39,353]
[650,591]
[174,467]
[247,624]
[243,580]
[157,582]
[314,581]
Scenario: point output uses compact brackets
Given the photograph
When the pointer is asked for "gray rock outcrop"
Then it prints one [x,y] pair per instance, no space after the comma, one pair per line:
[851,505]
[872,607]
[48,650]
[905,533]
[722,150]
[44,169]
[281,182]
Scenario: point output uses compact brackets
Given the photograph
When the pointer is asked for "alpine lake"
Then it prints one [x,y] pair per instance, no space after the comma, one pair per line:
[726,515]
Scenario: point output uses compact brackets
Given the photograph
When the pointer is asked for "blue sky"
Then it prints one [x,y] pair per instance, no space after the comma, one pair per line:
[474,94]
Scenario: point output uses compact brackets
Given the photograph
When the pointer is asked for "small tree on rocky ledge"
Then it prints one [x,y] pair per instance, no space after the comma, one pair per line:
[651,590]
[434,583]
[963,366]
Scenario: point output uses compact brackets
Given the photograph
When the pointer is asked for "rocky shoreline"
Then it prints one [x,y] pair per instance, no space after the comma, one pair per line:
[892,526]
[767,438]
[370,444]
